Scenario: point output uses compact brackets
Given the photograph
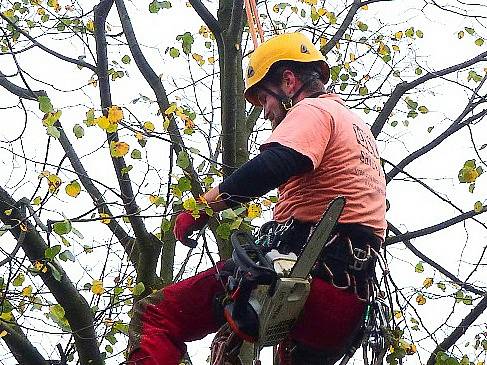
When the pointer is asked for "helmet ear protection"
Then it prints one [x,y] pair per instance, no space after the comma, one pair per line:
[284,47]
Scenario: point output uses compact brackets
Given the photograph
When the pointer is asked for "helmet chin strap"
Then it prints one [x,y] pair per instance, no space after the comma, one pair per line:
[287,102]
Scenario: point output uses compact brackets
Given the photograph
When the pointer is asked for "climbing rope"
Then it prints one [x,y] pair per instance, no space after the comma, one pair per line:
[254,22]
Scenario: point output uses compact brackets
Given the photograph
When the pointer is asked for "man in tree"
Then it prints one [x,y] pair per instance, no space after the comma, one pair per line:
[318,150]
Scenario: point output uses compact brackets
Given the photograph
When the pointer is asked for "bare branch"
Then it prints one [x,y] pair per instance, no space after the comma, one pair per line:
[459,330]
[433,264]
[48,50]
[21,92]
[432,229]
[403,87]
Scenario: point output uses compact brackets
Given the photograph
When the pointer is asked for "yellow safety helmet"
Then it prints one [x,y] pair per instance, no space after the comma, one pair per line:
[283,47]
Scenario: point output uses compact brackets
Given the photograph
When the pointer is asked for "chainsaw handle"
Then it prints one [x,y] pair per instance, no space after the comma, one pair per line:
[242,259]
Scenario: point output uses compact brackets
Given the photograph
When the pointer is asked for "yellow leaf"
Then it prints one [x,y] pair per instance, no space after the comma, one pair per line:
[398,35]
[149,126]
[103,122]
[115,114]
[97,287]
[23,227]
[73,189]
[323,41]
[365,7]
[53,181]
[9,13]
[321,12]
[8,212]
[37,200]
[105,218]
[420,299]
[3,333]
[172,108]
[139,136]
[478,207]
[397,314]
[395,48]
[27,291]
[346,66]
[40,267]
[352,57]
[118,149]
[211,60]
[90,25]
[198,58]
[6,316]
[427,282]
[267,203]
[254,211]
[41,11]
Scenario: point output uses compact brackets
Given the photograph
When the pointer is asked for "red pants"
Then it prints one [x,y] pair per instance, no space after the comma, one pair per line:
[185,311]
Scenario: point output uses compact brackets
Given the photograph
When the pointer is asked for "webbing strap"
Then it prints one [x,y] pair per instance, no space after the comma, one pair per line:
[254,22]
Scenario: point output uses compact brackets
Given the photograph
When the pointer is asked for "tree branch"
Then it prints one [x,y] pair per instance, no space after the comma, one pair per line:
[454,127]
[123,237]
[435,228]
[148,245]
[19,91]
[48,50]
[433,264]
[343,27]
[403,87]
[207,17]
[459,330]
[19,345]
[77,310]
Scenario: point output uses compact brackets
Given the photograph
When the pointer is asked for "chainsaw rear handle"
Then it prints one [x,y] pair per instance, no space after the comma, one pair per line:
[245,263]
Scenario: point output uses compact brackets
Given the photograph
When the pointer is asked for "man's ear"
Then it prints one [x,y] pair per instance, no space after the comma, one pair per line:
[289,80]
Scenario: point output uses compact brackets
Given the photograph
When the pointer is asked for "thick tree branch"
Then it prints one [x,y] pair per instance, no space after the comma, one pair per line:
[19,345]
[161,96]
[432,229]
[404,87]
[123,237]
[77,310]
[207,17]
[19,91]
[148,245]
[454,127]
[433,264]
[48,50]
[459,330]
[343,27]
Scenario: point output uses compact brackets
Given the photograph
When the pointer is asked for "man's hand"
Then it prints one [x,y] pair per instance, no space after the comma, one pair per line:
[186,224]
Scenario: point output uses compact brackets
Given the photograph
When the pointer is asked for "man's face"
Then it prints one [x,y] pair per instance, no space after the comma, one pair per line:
[273,109]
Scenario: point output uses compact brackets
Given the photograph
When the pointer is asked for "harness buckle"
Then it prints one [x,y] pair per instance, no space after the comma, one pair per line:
[360,259]
[287,103]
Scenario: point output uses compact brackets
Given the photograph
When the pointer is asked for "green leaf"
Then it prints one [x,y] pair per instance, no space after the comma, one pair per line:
[423,110]
[467,300]
[419,267]
[470,31]
[419,34]
[441,286]
[363,91]
[109,349]
[55,272]
[183,160]
[479,42]
[45,105]
[187,41]
[411,103]
[412,114]
[459,296]
[174,53]
[228,214]
[224,231]
[51,252]
[394,123]
[184,184]
[78,131]
[136,154]
[19,280]
[61,228]
[126,59]
[53,131]
[67,255]
[154,7]
[126,169]
[409,32]
[418,71]
[138,289]
[478,207]
[335,72]
[430,129]
[165,225]
[362,26]
[165,4]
